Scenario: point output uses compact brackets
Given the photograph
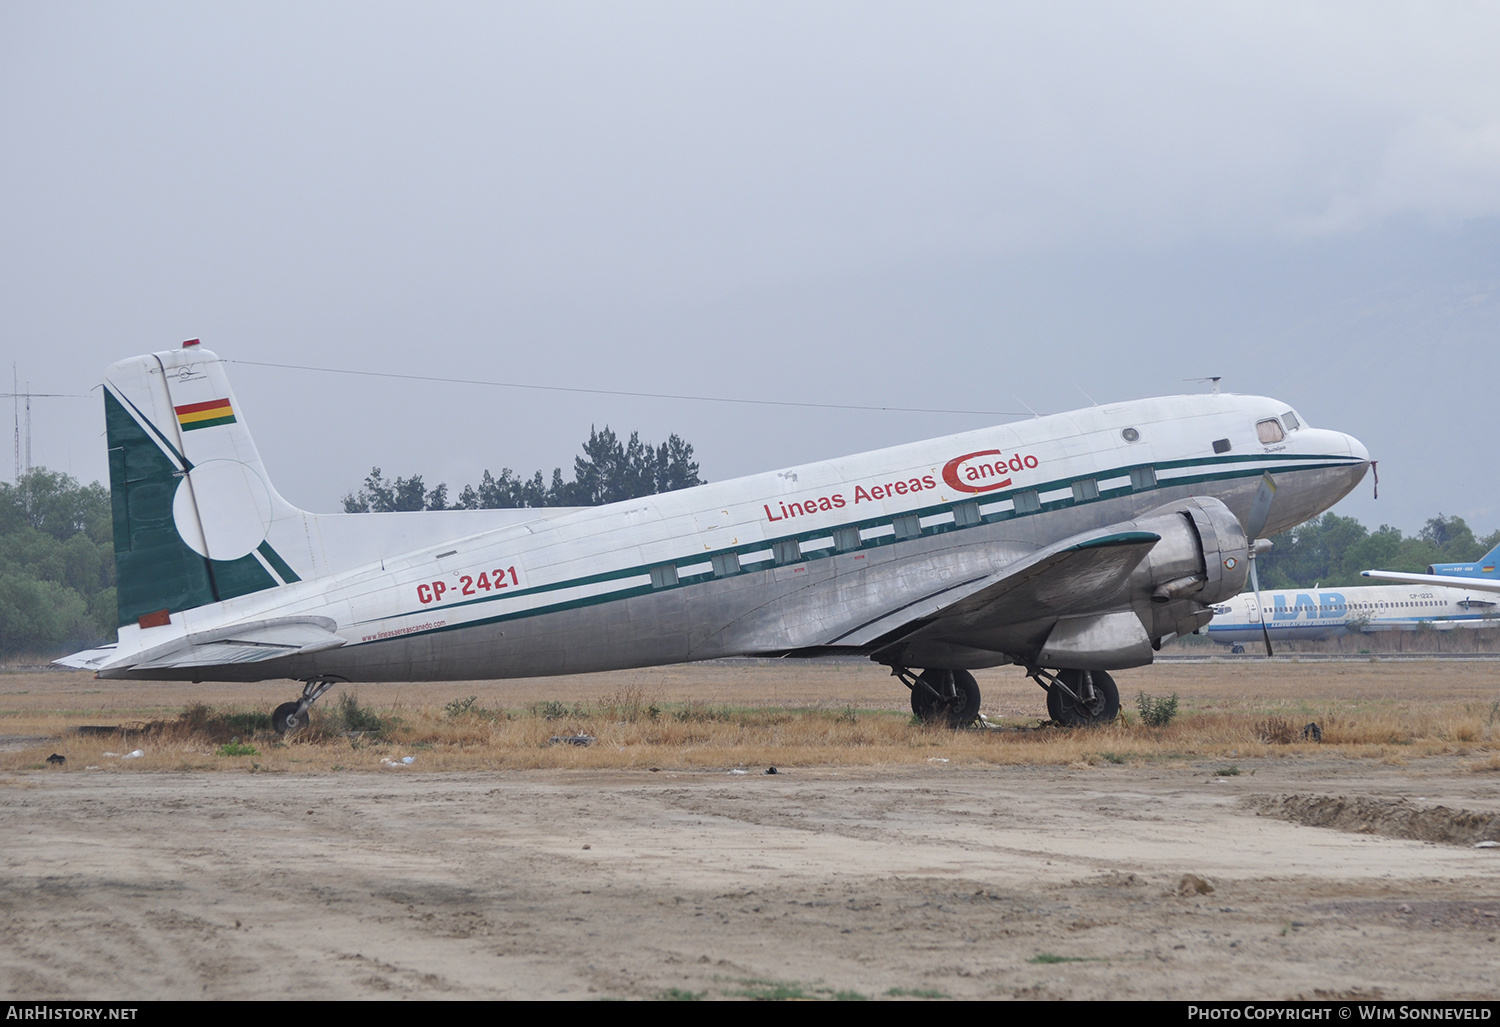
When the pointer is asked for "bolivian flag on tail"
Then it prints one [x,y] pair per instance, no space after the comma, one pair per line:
[205,415]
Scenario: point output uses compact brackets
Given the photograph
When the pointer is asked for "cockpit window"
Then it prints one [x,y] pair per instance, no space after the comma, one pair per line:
[1269,431]
[1290,420]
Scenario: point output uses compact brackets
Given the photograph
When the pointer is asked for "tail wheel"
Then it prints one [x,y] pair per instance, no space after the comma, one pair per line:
[946,697]
[1095,699]
[287,718]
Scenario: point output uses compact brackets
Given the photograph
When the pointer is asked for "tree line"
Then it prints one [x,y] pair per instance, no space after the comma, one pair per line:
[1332,550]
[609,471]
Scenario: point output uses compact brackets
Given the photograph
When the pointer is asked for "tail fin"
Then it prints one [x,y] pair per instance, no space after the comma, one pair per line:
[1485,567]
[192,503]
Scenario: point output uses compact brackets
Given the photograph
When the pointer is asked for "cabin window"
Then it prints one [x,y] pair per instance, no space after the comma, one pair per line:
[1290,420]
[726,564]
[846,539]
[907,526]
[1269,431]
[1085,489]
[664,577]
[787,551]
[1221,445]
[1027,502]
[1142,478]
[966,515]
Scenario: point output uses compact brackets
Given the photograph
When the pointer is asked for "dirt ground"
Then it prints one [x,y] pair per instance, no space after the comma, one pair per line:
[924,880]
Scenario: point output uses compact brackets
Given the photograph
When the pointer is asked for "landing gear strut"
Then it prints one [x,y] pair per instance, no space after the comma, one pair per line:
[940,696]
[1079,698]
[292,716]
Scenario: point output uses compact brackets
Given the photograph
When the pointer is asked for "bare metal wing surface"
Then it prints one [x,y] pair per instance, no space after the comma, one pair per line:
[1071,545]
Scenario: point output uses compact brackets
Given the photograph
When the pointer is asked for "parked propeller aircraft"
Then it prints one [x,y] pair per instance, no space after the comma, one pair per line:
[1070,545]
[1315,614]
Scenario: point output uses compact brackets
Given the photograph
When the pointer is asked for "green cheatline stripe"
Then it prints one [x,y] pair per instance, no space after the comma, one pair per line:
[211,423]
[1123,538]
[274,559]
[1203,461]
[1052,505]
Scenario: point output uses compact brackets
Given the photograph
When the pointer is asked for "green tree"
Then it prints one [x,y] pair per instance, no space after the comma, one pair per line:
[381,495]
[57,567]
[608,471]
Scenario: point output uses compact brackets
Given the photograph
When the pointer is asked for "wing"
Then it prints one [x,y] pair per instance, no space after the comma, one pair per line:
[1444,581]
[1033,604]
[1052,581]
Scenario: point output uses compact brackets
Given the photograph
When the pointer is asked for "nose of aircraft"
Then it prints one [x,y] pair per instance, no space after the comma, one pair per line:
[1354,473]
[1359,452]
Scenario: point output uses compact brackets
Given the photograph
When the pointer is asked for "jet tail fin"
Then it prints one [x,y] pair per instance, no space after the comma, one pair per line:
[192,505]
[1487,566]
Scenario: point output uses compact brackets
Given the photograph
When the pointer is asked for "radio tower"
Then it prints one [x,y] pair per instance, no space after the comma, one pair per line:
[15,396]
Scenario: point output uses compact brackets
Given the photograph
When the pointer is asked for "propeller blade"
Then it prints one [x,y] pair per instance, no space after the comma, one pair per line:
[1255,584]
[1261,508]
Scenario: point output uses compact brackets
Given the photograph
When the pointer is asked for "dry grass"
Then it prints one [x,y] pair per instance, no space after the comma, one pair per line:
[723,717]
[705,736]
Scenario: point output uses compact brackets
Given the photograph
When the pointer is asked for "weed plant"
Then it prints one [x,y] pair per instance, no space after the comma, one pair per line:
[1157,712]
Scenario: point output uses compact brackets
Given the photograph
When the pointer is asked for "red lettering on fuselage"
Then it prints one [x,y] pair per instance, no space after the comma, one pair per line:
[801,508]
[970,473]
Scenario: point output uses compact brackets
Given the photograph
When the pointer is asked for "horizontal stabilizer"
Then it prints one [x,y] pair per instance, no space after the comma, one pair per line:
[89,659]
[245,643]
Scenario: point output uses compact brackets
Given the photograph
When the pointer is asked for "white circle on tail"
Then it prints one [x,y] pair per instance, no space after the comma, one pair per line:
[222,509]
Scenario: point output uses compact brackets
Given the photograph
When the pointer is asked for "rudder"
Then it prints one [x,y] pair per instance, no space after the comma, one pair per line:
[191,502]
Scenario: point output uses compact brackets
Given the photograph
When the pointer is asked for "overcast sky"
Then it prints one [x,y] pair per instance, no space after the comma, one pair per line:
[973,207]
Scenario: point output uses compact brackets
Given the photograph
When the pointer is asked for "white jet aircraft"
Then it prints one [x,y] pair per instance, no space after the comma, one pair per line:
[1071,545]
[1315,614]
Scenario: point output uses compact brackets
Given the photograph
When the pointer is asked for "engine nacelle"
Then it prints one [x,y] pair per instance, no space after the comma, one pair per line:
[1201,559]
[1203,555]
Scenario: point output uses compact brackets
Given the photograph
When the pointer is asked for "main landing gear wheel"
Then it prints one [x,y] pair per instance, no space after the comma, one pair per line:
[1083,698]
[292,716]
[946,697]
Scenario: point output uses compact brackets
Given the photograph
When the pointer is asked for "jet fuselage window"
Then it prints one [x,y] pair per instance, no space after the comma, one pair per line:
[726,564]
[664,577]
[1142,478]
[1085,489]
[907,526]
[1269,431]
[966,515]
[1027,502]
[846,539]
